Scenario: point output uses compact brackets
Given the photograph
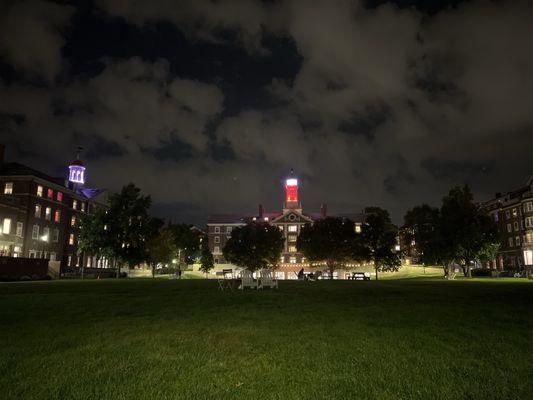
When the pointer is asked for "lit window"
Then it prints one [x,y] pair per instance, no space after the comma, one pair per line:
[217,229]
[39,191]
[292,249]
[20,227]
[515,212]
[6,227]
[280,227]
[46,234]
[358,228]
[293,228]
[82,206]
[266,218]
[217,239]
[74,204]
[71,239]
[228,229]
[292,238]
[50,194]
[529,222]
[37,211]
[48,213]
[59,196]
[35,232]
[292,260]
[57,216]
[55,235]
[8,188]
[73,222]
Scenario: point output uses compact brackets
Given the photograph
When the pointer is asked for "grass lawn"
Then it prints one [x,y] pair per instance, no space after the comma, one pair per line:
[170,339]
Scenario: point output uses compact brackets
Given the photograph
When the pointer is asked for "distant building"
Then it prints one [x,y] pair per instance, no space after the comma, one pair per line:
[513,212]
[39,214]
[289,220]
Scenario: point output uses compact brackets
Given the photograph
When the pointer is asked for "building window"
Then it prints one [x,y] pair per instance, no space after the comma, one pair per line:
[529,222]
[73,222]
[48,213]
[37,211]
[74,204]
[517,240]
[280,227]
[57,216]
[46,234]
[515,225]
[39,191]
[8,188]
[35,232]
[216,250]
[515,212]
[496,216]
[59,196]
[528,257]
[6,226]
[71,239]
[217,239]
[50,194]
[358,228]
[82,206]
[293,228]
[510,242]
[509,228]
[55,235]
[217,229]
[32,254]
[507,214]
[292,249]
[292,238]
[228,229]
[528,206]
[292,260]
[20,227]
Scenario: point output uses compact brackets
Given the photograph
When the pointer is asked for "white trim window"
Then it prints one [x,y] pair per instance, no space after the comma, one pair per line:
[516,225]
[509,228]
[228,229]
[217,239]
[46,234]
[529,222]
[48,213]
[8,188]
[74,204]
[20,228]
[510,242]
[217,229]
[39,192]
[293,228]
[216,250]
[517,240]
[6,226]
[71,239]
[528,206]
[55,235]
[37,213]
[35,232]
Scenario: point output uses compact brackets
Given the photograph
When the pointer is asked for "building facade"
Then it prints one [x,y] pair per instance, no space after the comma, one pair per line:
[39,214]
[513,213]
[289,220]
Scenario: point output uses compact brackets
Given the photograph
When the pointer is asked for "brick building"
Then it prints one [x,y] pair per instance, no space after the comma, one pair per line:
[39,214]
[513,212]
[290,220]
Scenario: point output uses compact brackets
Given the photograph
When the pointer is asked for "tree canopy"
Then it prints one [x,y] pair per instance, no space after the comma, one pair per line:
[255,246]
[206,257]
[160,248]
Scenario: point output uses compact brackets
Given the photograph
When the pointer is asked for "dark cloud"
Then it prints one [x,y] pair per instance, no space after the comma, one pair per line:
[208,105]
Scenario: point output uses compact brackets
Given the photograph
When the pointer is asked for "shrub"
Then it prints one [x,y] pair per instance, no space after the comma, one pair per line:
[481,272]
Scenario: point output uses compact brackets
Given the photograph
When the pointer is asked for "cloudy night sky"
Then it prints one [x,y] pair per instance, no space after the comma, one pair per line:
[207,105]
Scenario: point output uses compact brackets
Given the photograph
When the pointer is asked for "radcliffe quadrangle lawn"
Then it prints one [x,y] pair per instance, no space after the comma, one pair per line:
[164,339]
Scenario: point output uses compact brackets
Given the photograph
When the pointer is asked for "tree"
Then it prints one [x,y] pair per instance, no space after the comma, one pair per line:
[160,248]
[187,242]
[332,241]
[254,246]
[465,228]
[129,225]
[93,237]
[206,257]
[459,233]
[379,237]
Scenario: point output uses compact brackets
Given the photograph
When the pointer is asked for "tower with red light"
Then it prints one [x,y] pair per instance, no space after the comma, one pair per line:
[291,192]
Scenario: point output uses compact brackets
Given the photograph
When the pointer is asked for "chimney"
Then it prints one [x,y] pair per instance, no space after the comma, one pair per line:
[2,151]
[323,210]
[260,211]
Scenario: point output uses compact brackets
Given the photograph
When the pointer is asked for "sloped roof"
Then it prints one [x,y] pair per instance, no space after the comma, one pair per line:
[16,169]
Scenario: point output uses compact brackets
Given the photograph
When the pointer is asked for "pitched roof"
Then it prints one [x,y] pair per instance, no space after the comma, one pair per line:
[17,169]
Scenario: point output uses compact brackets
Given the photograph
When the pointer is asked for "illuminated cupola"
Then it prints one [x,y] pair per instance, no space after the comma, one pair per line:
[77,171]
[291,192]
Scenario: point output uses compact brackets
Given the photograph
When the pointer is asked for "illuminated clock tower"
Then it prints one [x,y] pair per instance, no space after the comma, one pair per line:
[291,193]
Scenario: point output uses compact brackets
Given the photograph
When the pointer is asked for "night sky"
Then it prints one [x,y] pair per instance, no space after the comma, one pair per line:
[207,105]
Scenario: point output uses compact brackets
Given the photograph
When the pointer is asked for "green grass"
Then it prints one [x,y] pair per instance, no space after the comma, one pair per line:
[170,339]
